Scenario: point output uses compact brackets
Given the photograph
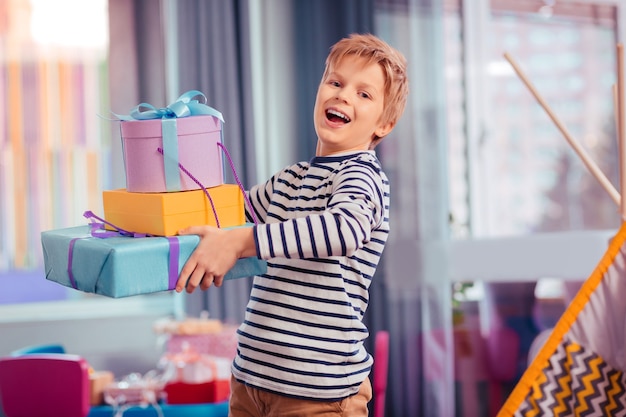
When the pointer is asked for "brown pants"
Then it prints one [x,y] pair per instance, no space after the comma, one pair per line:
[246,401]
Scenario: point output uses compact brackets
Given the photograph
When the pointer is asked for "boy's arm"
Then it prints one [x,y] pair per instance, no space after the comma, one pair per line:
[219,249]
[215,255]
[357,206]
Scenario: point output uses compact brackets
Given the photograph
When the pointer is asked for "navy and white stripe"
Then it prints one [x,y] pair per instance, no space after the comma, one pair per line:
[323,228]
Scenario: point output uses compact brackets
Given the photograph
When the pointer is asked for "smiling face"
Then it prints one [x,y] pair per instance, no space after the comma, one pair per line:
[349,106]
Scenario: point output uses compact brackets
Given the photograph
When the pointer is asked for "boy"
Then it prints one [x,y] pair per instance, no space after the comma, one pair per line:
[323,227]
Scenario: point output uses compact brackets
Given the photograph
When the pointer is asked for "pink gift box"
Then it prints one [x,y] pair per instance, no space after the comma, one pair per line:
[222,344]
[197,151]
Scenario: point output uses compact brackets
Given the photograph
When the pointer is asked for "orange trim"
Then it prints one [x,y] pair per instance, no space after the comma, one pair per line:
[535,369]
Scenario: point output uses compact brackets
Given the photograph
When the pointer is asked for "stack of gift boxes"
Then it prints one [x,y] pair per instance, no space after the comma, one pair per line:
[162,195]
[173,160]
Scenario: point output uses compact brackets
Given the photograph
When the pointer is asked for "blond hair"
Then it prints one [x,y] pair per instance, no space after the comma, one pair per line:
[392,62]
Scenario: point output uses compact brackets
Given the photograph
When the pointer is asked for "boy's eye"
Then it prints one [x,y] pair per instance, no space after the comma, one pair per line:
[364,95]
[335,83]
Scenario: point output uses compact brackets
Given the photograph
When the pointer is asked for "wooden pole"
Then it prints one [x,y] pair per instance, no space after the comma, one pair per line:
[620,126]
[586,159]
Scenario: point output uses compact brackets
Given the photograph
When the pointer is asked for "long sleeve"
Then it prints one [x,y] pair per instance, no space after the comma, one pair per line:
[342,210]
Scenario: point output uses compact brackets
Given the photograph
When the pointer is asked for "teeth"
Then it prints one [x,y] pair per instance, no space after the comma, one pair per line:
[339,114]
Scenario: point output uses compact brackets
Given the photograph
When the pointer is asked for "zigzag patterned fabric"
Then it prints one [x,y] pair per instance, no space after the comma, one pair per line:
[576,382]
[580,370]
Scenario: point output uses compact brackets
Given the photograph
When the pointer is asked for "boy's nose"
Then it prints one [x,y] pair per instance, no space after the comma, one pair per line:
[341,96]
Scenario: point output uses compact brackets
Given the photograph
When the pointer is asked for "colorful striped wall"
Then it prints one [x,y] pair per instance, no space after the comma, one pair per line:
[54,146]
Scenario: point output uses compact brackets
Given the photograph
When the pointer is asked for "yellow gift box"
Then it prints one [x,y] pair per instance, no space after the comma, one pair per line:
[164,214]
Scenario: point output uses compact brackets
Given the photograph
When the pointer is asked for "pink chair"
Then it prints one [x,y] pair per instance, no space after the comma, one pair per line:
[44,385]
[381,365]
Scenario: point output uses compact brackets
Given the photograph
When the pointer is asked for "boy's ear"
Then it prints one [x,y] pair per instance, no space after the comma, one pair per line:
[383,130]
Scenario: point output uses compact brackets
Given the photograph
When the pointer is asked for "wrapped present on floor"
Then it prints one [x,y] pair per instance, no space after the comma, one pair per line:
[188,325]
[155,141]
[204,335]
[122,266]
[222,344]
[164,214]
[135,389]
[191,377]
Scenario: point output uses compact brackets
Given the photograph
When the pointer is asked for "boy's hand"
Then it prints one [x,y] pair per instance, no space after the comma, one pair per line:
[215,255]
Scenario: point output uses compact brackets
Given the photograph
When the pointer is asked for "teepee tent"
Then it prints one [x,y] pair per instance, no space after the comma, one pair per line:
[580,370]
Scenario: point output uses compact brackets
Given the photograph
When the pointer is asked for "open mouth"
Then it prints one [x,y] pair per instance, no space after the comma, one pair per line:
[336,116]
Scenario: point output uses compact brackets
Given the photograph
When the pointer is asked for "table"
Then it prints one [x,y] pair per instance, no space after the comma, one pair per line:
[182,410]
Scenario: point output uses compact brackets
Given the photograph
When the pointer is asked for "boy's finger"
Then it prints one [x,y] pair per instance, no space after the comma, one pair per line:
[206,282]
[218,280]
[192,230]
[194,280]
[182,282]
[184,276]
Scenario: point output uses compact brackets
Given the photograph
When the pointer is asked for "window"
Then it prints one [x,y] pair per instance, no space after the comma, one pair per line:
[525,210]
[513,171]
[55,148]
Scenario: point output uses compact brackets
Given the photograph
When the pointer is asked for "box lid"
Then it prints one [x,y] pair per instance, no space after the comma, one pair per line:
[165,204]
[184,126]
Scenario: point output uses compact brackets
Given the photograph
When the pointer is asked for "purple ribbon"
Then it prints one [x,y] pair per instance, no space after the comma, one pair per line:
[173,264]
[245,196]
[97,230]
[206,192]
[69,262]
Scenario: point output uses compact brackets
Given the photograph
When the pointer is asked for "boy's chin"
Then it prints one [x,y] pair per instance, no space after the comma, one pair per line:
[335,150]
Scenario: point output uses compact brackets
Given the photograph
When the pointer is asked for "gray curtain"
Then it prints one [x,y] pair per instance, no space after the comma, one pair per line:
[136,66]
[214,57]
[317,26]
[410,295]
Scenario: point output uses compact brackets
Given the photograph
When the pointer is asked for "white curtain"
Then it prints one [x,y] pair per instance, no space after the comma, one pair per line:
[415,278]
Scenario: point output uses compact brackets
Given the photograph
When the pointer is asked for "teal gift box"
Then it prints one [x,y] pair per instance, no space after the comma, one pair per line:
[122,266]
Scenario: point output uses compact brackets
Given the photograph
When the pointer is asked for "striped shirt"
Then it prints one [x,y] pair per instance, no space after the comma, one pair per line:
[322,228]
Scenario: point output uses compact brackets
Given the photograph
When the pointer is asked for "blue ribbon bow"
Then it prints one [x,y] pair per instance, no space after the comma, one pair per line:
[191,103]
[185,105]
